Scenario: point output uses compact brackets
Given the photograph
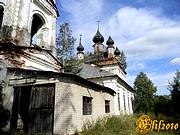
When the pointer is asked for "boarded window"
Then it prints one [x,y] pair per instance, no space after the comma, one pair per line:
[107,106]
[87,105]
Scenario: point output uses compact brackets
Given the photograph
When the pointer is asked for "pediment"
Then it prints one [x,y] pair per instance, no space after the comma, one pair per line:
[30,58]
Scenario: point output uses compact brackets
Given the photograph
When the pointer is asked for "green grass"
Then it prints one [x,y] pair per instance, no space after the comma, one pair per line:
[117,125]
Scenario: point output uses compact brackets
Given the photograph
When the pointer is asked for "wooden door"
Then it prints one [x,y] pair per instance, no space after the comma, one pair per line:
[41,109]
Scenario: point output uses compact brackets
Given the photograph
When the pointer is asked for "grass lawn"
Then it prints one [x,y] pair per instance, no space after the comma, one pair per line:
[119,125]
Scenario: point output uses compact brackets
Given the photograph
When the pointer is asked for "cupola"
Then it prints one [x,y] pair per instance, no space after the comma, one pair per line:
[116,52]
[98,38]
[80,49]
[110,42]
[110,47]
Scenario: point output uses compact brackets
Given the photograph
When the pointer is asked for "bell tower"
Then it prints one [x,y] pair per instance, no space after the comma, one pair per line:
[29,23]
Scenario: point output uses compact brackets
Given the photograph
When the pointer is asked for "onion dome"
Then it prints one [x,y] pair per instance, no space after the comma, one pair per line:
[80,48]
[117,52]
[98,37]
[110,42]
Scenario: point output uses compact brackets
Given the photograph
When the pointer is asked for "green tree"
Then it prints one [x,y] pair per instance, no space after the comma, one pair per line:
[65,43]
[162,105]
[174,88]
[145,92]
[65,48]
[72,66]
[123,58]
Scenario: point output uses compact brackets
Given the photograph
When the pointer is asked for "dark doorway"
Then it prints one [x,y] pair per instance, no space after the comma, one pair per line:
[20,108]
[35,106]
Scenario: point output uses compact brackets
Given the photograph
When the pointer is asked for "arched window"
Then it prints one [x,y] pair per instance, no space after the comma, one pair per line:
[37,22]
[1,15]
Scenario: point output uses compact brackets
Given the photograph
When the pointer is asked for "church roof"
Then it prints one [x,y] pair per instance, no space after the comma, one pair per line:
[88,71]
[58,76]
[91,72]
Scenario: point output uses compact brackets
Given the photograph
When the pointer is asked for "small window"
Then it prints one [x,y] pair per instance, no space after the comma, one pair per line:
[124,102]
[129,103]
[87,105]
[107,106]
[119,105]
[1,15]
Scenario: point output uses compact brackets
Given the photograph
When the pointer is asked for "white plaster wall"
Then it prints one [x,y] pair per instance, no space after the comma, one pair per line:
[68,116]
[111,52]
[121,90]
[24,13]
[9,9]
[111,84]
[116,70]
[39,61]
[80,56]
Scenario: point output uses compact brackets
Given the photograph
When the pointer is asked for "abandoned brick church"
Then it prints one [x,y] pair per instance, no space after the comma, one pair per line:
[40,96]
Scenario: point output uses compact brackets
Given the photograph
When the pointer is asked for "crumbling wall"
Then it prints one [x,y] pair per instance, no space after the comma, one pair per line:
[15,23]
[12,55]
[5,33]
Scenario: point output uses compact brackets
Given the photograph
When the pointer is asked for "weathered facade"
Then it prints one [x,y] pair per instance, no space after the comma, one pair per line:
[39,95]
[27,34]
[28,23]
[53,102]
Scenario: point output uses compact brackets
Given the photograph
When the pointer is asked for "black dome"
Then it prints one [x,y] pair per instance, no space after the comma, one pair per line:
[80,47]
[117,52]
[110,41]
[98,37]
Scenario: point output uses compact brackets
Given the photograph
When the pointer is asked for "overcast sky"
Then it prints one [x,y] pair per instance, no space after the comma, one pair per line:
[148,31]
